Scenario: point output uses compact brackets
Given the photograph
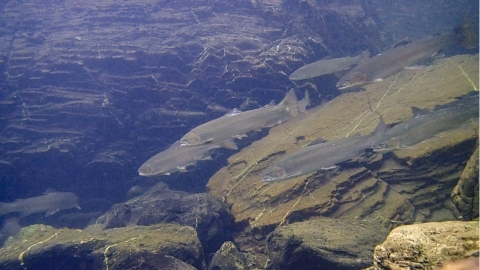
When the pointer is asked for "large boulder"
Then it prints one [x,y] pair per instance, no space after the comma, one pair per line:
[405,186]
[427,245]
[208,216]
[325,244]
[165,246]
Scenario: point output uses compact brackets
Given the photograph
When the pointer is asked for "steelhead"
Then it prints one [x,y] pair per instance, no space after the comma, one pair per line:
[425,124]
[394,60]
[324,67]
[177,158]
[236,123]
[49,203]
[321,156]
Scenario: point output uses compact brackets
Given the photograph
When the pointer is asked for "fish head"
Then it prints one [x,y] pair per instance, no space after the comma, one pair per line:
[273,173]
[190,139]
[352,80]
[145,170]
[387,146]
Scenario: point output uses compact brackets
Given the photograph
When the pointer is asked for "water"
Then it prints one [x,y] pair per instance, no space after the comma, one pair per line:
[90,90]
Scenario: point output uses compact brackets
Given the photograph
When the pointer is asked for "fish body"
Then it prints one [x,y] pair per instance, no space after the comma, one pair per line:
[236,123]
[49,203]
[394,60]
[323,67]
[320,156]
[425,124]
[177,158]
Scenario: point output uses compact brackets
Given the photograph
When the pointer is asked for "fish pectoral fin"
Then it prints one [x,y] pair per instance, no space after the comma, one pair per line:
[51,212]
[78,207]
[233,112]
[414,67]
[378,80]
[329,167]
[182,168]
[206,157]
[239,136]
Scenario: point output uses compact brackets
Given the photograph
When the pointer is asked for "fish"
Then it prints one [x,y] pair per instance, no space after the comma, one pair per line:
[425,124]
[324,67]
[236,123]
[321,156]
[394,60]
[178,158]
[49,203]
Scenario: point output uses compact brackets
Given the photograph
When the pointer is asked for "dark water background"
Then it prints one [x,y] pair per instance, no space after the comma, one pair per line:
[88,90]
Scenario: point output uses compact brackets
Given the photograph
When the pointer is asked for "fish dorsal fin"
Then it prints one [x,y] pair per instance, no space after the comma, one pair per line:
[328,57]
[417,111]
[175,144]
[272,103]
[381,127]
[49,191]
[402,42]
[233,112]
[317,141]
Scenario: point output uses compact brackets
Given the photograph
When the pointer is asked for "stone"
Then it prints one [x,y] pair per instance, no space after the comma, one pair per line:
[427,245]
[465,193]
[209,217]
[143,247]
[325,243]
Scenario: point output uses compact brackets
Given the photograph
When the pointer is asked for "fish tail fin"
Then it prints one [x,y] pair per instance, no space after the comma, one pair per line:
[302,104]
[467,33]
[290,103]
[3,209]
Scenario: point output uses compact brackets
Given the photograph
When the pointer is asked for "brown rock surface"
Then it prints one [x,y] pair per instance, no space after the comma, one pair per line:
[427,245]
[465,193]
[171,246]
[401,187]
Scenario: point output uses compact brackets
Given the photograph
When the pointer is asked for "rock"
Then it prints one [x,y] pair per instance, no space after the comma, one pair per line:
[465,193]
[463,264]
[228,257]
[405,186]
[427,245]
[325,244]
[165,246]
[208,216]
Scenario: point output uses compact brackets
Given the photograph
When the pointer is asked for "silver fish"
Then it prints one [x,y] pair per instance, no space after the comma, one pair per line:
[425,124]
[50,203]
[394,60]
[323,67]
[178,158]
[320,156]
[236,123]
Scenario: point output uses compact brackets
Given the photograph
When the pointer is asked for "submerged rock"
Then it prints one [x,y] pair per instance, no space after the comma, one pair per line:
[208,216]
[324,244]
[465,193]
[228,257]
[427,245]
[165,246]
[405,186]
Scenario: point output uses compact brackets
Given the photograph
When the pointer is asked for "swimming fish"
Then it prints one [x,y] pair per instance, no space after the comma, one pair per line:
[49,203]
[426,124]
[394,60]
[178,158]
[321,156]
[323,67]
[235,124]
